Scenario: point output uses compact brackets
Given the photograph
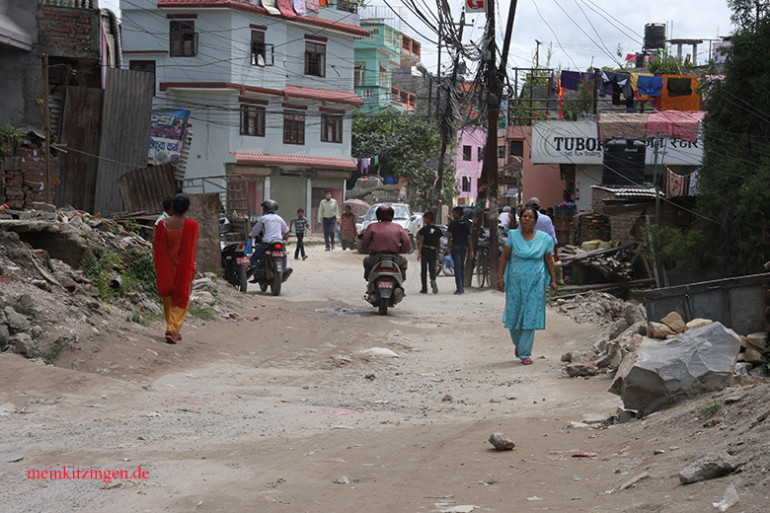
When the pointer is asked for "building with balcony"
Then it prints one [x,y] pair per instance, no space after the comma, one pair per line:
[268,90]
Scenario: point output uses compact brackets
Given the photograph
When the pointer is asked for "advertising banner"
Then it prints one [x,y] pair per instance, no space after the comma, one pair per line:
[167,129]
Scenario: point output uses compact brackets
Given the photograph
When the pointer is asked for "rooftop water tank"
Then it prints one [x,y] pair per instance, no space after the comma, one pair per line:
[654,35]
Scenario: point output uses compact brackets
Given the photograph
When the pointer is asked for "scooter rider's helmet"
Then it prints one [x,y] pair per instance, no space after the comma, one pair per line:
[269,206]
[385,213]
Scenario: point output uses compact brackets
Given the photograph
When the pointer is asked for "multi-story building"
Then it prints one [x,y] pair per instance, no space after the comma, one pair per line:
[378,58]
[269,90]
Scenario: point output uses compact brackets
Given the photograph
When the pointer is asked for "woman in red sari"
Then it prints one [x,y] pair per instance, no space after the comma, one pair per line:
[174,249]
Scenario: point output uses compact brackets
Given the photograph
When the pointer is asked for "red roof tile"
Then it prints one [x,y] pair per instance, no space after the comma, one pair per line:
[278,159]
[242,5]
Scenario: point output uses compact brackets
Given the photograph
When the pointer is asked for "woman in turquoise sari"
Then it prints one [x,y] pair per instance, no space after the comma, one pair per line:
[525,265]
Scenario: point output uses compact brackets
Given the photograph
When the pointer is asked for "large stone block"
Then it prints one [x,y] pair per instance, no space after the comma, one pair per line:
[674,321]
[657,375]
[659,330]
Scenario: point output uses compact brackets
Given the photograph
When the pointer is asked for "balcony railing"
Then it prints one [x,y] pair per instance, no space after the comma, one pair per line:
[76,4]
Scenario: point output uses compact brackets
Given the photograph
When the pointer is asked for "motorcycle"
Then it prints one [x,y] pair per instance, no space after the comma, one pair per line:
[272,271]
[385,283]
[235,262]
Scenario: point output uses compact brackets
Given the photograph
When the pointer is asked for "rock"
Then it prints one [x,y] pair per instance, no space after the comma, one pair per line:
[674,321]
[43,207]
[23,343]
[205,298]
[577,425]
[204,284]
[753,356]
[582,356]
[566,357]
[624,415]
[383,352]
[657,375]
[501,442]
[582,369]
[25,305]
[757,341]
[342,480]
[6,409]
[17,323]
[631,482]
[659,330]
[698,323]
[594,418]
[618,327]
[634,314]
[69,285]
[4,336]
[714,465]
[152,307]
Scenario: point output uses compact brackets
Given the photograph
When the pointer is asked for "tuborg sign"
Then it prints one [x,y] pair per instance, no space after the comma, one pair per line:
[577,142]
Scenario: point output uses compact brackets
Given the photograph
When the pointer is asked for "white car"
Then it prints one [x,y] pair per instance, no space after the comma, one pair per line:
[402,215]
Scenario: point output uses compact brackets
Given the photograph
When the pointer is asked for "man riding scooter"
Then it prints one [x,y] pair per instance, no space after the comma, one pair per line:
[385,237]
[273,229]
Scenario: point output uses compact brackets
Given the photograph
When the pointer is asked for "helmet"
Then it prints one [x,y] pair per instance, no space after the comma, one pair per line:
[385,213]
[269,206]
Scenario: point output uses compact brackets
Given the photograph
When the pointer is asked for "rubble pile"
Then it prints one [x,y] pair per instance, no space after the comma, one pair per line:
[599,308]
[614,263]
[47,301]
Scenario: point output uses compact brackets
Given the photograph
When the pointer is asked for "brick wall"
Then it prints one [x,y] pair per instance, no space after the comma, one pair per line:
[25,183]
[70,32]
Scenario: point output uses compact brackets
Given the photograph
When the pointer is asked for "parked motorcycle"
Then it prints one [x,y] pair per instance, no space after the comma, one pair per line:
[234,263]
[385,283]
[272,271]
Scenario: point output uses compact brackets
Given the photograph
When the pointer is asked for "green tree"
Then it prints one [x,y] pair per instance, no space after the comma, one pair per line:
[733,182]
[404,143]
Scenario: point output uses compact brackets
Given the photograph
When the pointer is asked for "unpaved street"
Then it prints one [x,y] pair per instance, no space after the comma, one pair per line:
[266,412]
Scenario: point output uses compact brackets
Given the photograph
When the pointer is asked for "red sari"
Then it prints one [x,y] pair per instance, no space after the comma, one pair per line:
[174,254]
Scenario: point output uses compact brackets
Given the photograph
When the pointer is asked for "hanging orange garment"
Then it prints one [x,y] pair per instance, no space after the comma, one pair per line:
[689,102]
[174,255]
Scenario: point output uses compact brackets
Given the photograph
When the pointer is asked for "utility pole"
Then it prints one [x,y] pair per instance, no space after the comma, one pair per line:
[47,116]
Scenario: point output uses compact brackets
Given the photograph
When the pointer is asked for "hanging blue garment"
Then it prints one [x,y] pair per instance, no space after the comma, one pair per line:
[651,86]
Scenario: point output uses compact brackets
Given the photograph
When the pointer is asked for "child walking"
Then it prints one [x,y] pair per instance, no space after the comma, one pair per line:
[300,224]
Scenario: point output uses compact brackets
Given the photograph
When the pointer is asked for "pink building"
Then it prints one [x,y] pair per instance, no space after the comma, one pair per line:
[468,163]
[541,180]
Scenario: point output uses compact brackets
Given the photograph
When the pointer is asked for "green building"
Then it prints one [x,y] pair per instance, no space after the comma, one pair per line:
[376,58]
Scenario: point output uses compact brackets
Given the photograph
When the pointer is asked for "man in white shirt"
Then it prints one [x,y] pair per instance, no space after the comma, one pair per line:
[329,213]
[505,219]
[544,224]
[273,229]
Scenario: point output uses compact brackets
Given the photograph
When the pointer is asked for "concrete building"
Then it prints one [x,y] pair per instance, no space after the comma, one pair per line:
[269,90]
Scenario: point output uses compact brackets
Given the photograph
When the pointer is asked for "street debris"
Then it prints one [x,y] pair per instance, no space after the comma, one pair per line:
[501,442]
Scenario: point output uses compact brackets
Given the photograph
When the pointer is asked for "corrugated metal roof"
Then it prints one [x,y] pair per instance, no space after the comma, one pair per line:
[631,192]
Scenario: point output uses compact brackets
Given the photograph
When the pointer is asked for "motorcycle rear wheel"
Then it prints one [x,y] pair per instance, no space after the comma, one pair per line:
[243,280]
[275,286]
[383,307]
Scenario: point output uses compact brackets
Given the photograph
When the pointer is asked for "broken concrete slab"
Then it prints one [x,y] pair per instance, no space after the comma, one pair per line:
[657,375]
[713,465]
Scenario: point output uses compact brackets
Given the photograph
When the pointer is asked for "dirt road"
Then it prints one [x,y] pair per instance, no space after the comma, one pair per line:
[283,411]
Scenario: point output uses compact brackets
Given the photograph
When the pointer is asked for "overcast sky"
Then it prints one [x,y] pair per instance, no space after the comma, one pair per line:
[581,33]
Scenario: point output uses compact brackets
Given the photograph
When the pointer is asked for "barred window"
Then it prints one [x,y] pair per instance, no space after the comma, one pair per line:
[293,127]
[252,120]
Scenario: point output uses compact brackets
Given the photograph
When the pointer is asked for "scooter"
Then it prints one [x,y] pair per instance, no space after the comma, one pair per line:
[272,271]
[385,283]
[235,262]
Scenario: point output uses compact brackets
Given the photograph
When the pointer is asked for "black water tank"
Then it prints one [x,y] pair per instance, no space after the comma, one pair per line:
[623,163]
[654,35]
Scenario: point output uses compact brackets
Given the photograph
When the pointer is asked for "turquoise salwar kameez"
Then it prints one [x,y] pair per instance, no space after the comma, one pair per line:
[526,281]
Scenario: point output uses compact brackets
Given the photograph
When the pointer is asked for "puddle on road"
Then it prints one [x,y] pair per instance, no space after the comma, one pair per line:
[340,312]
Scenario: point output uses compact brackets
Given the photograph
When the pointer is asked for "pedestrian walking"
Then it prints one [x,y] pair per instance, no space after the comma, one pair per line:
[523,274]
[329,212]
[300,224]
[459,246]
[174,250]
[348,231]
[429,239]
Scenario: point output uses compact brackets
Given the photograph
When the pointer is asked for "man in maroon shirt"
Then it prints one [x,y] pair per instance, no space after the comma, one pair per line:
[385,236]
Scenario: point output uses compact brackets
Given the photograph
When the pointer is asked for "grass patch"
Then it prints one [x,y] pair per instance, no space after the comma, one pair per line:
[143,318]
[711,410]
[202,312]
[48,356]
[114,278]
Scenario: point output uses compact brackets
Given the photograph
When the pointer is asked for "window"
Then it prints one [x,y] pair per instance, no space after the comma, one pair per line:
[183,39]
[359,74]
[261,53]
[466,184]
[368,93]
[293,127]
[315,59]
[501,152]
[252,120]
[331,127]
[480,153]
[467,153]
[517,148]
[146,66]
[383,76]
